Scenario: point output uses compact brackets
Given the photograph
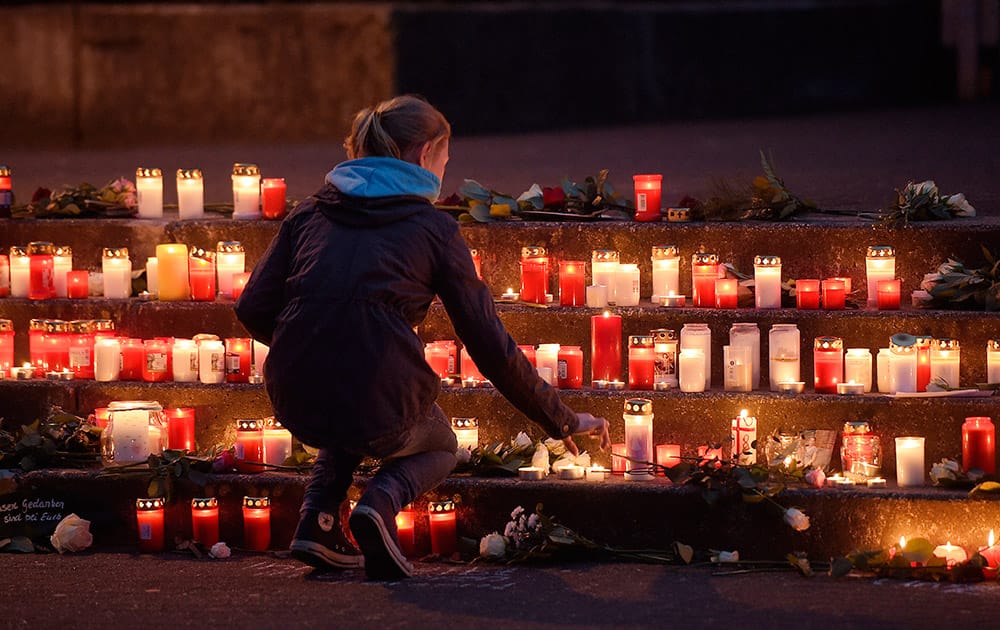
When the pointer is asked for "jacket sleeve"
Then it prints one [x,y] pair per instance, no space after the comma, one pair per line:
[264,296]
[470,306]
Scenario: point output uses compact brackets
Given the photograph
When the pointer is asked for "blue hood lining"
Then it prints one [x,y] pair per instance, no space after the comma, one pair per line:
[384,177]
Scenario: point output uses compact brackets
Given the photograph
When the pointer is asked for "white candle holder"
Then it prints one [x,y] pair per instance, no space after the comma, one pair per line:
[149,192]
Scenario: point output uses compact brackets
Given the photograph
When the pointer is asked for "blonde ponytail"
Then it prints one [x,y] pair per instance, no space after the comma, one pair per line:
[395,128]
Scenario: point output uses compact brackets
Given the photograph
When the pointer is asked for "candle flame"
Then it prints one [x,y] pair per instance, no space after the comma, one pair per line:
[902,542]
[509,290]
[744,413]
[991,539]
[607,313]
[788,461]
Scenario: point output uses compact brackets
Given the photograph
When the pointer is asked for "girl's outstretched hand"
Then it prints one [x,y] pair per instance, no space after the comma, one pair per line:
[589,425]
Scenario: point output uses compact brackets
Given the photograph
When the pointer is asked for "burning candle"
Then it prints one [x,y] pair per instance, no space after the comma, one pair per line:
[647,196]
[672,301]
[534,274]
[469,371]
[834,294]
[923,345]
[748,334]
[603,267]
[828,364]
[704,272]
[880,264]
[597,296]
[570,367]
[211,361]
[41,272]
[239,283]
[952,554]
[205,520]
[117,268]
[238,360]
[62,263]
[978,445]
[406,531]
[547,359]
[945,359]
[466,431]
[767,281]
[627,285]
[442,518]
[201,275]
[744,434]
[101,415]
[190,194]
[571,472]
[260,352]
[4,276]
[606,347]
[783,354]
[666,271]
[6,191]
[860,451]
[277,442]
[184,353]
[249,445]
[510,295]
[641,362]
[737,368]
[230,259]
[572,283]
[696,336]
[149,519]
[77,284]
[257,523]
[807,294]
[133,358]
[529,353]
[887,298]
[993,361]
[172,272]
[149,192]
[668,455]
[154,367]
[273,203]
[725,292]
[664,358]
[617,458]
[858,368]
[596,473]
[436,356]
[850,388]
[81,348]
[134,431]
[55,346]
[246,191]
[20,272]
[180,428]
[909,461]
[6,345]
[902,363]
[638,418]
[531,473]
[691,363]
[990,553]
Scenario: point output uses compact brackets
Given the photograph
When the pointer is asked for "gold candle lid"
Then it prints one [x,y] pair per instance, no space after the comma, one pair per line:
[115,252]
[665,251]
[256,502]
[473,252]
[923,341]
[702,258]
[6,325]
[638,406]
[229,247]
[767,260]
[881,251]
[437,507]
[249,424]
[189,173]
[246,170]
[62,250]
[664,334]
[272,423]
[993,344]
[56,326]
[149,505]
[81,326]
[858,427]
[945,343]
[4,170]
[148,172]
[204,503]
[103,324]
[202,254]
[37,324]
[533,251]
[828,343]
[641,341]
[18,251]
[464,423]
[604,255]
[40,248]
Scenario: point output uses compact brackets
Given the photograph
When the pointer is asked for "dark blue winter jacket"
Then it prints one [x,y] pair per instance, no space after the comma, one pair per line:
[338,294]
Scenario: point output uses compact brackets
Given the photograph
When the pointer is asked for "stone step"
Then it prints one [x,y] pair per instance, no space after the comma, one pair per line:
[615,512]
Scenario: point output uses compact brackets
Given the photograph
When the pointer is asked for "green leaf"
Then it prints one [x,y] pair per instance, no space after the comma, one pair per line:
[840,567]
[18,544]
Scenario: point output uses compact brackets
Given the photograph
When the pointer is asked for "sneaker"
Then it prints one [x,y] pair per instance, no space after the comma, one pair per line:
[320,542]
[375,531]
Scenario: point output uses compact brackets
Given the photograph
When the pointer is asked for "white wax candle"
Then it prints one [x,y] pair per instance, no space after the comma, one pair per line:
[666,277]
[627,285]
[117,277]
[277,445]
[638,445]
[20,276]
[737,368]
[246,196]
[902,372]
[468,437]
[152,284]
[211,361]
[185,361]
[767,284]
[604,274]
[107,359]
[547,358]
[748,335]
[190,194]
[858,367]
[226,264]
[993,363]
[784,343]
[149,194]
[910,461]
[130,433]
[945,365]
[60,265]
[597,296]
[699,336]
[744,434]
[691,363]
[882,370]
[882,268]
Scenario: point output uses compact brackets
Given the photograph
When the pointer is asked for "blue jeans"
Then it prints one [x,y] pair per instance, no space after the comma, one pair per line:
[424,459]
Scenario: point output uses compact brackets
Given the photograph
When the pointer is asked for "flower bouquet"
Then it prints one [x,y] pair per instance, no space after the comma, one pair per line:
[116,199]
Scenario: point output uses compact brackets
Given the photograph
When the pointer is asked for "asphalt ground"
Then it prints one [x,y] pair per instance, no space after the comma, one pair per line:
[850,161]
[122,590]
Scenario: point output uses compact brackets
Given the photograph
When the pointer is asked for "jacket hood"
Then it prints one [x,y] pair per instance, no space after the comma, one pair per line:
[384,177]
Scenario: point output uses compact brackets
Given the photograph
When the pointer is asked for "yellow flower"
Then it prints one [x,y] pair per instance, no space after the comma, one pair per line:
[500,210]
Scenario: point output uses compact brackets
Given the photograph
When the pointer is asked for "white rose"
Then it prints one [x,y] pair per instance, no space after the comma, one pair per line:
[518,511]
[493,547]
[583,459]
[796,519]
[557,447]
[815,477]
[220,550]
[522,440]
[72,534]
[463,455]
[728,556]
[960,206]
[540,459]
[566,459]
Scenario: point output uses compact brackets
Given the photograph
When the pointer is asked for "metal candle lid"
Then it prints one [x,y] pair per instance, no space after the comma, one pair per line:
[103,324]
[62,250]
[704,259]
[945,343]
[206,503]
[664,334]
[6,325]
[993,344]
[464,423]
[661,252]
[828,343]
[438,507]
[189,173]
[229,247]
[202,254]
[604,255]
[533,251]
[859,427]
[4,170]
[902,343]
[56,326]
[923,341]
[257,503]
[148,172]
[473,252]
[149,505]
[81,326]
[639,406]
[40,248]
[250,424]
[245,170]
[767,260]
[115,252]
[881,251]
[18,251]
[641,341]
[37,324]
[273,424]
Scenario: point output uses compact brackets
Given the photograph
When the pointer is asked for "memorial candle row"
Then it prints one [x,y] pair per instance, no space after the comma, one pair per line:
[256,512]
[253,197]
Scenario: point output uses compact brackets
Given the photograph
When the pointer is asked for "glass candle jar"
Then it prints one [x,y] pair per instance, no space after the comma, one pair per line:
[205,521]
[726,292]
[149,192]
[20,272]
[704,271]
[81,348]
[627,285]
[246,191]
[78,284]
[666,271]
[4,276]
[743,430]
[62,263]
[748,334]
[180,428]
[923,361]
[603,270]
[697,336]
[36,344]
[133,359]
[641,362]
[238,353]
[55,346]
[828,364]
[6,191]
[466,432]
[909,461]
[534,274]
[979,445]
[249,445]
[230,259]
[436,356]
[152,277]
[442,520]
[149,522]
[880,264]
[858,367]
[41,272]
[572,283]
[783,347]
[570,367]
[406,531]
[638,417]
[468,369]
[277,442]
[117,268]
[477,261]
[190,194]
[888,295]
[257,523]
[135,430]
[902,363]
[201,275]
[547,362]
[107,360]
[606,347]
[737,368]
[185,361]
[834,294]
[860,452]
[665,358]
[993,361]
[211,361]
[647,196]
[273,201]
[945,360]
[691,365]
[767,281]
[882,370]
[807,294]
[6,346]
[155,367]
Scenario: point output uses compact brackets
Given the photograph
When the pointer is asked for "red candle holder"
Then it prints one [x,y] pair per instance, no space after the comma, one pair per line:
[436,356]
[101,416]
[443,527]
[572,283]
[570,367]
[6,345]
[834,294]
[648,189]
[725,292]
[249,445]
[828,364]
[36,343]
[704,273]
[205,520]
[238,355]
[257,523]
[923,361]
[887,298]
[979,445]
[668,455]
[606,347]
[641,362]
[4,275]
[180,428]
[201,275]
[155,365]
[477,261]
[77,284]
[618,458]
[406,531]
[534,274]
[41,271]
[55,346]
[273,202]
[81,348]
[239,283]
[149,518]
[807,294]
[133,360]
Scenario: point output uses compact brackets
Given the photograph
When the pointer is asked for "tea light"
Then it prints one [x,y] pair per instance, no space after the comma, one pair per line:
[470,382]
[510,295]
[24,373]
[149,192]
[596,473]
[834,481]
[246,191]
[792,387]
[257,523]
[205,520]
[599,384]
[909,461]
[190,194]
[952,554]
[571,472]
[672,300]
[531,473]
[616,385]
[149,518]
[851,388]
[180,428]
[887,297]
[442,520]
[597,296]
[876,482]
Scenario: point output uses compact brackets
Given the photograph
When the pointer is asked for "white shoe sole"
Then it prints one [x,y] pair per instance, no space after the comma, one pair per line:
[383,558]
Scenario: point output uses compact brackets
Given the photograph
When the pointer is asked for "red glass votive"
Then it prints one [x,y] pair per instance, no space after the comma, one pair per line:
[468,368]
[257,523]
[101,416]
[668,455]
[239,283]
[834,296]
[923,362]
[606,347]
[406,531]
[81,348]
[529,354]
[979,445]
[273,198]
[201,275]
[238,353]
[133,360]
[534,274]
[828,364]
[641,362]
[55,347]
[570,367]
[436,356]
[249,445]
[704,273]
[149,518]
[205,520]
[648,190]
[618,458]
[180,428]
[443,527]
[572,283]
[36,344]
[725,292]
[807,294]
[888,292]
[77,284]
[4,273]
[41,271]
[155,368]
